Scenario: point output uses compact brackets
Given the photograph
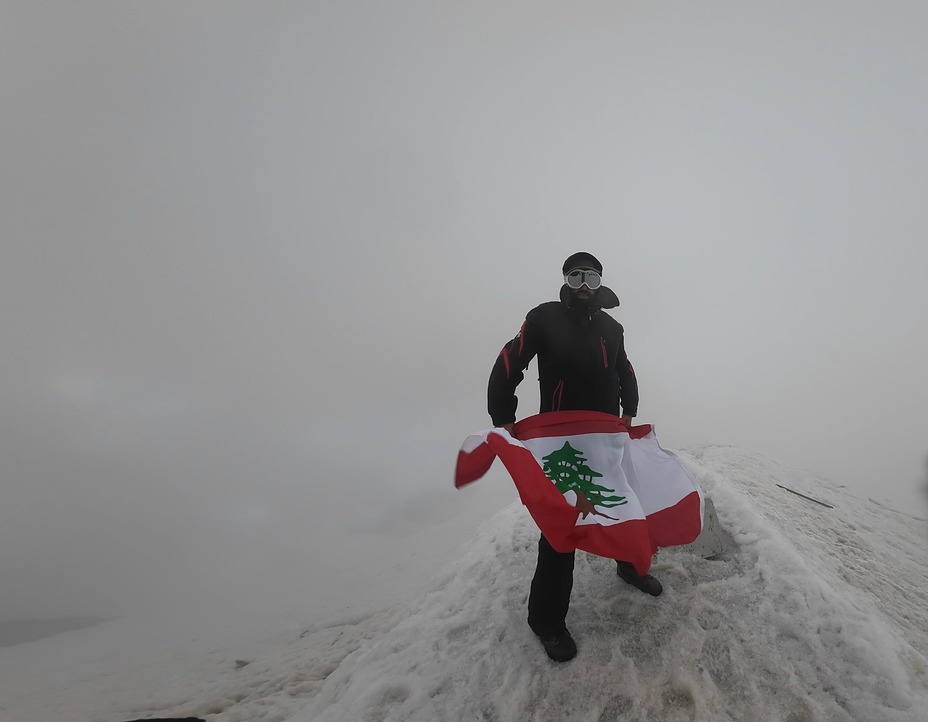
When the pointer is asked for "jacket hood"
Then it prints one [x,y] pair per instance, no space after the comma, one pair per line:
[605,297]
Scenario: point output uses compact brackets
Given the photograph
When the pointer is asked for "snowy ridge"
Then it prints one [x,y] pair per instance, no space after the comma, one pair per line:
[877,551]
[812,614]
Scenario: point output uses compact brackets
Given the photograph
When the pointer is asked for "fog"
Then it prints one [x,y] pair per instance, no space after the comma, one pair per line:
[258,260]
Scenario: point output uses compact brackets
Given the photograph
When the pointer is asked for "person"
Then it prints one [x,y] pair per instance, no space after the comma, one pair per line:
[582,365]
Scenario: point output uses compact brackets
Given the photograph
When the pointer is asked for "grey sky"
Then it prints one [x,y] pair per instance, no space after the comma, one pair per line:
[258,259]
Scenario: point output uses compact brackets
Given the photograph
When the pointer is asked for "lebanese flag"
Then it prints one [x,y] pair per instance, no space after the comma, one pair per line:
[643,495]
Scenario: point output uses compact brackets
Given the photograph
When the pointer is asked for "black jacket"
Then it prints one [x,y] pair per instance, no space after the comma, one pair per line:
[581,361]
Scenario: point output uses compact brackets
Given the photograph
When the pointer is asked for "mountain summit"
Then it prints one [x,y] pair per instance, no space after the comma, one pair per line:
[813,613]
[817,610]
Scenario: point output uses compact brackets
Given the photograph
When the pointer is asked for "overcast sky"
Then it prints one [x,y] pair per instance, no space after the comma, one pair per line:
[258,260]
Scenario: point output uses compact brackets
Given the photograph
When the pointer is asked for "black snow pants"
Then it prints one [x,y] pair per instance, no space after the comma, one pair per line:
[549,598]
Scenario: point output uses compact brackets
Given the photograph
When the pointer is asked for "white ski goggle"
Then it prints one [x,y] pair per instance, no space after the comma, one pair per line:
[579,276]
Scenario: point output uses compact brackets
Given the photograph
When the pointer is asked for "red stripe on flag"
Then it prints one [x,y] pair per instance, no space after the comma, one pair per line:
[473,465]
[678,524]
[570,423]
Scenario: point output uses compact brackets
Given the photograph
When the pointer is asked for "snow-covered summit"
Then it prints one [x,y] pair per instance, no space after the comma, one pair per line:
[813,613]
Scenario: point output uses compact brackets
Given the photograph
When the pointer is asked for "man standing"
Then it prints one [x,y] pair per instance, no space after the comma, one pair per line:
[582,366]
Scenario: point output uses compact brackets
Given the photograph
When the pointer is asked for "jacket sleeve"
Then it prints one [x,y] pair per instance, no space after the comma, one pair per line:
[507,373]
[628,396]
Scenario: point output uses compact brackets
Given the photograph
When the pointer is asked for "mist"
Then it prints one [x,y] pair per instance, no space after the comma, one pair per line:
[258,260]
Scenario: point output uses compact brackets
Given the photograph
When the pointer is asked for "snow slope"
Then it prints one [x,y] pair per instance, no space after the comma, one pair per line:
[812,614]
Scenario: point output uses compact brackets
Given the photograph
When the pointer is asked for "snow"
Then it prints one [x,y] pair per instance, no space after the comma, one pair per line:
[810,614]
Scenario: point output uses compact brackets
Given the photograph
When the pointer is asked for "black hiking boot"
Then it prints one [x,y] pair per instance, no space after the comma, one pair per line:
[560,646]
[646,583]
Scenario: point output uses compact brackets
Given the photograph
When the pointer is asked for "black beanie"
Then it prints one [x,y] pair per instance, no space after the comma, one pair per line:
[582,259]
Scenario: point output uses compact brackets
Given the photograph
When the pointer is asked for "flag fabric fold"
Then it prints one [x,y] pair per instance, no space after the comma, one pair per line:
[644,498]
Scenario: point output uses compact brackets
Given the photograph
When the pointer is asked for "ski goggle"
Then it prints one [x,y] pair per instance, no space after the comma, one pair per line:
[577,277]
